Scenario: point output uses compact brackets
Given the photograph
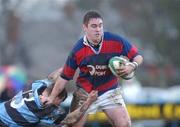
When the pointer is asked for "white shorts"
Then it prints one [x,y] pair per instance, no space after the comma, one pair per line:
[110,99]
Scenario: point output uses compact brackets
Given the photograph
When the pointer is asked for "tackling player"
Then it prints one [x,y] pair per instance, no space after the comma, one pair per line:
[29,108]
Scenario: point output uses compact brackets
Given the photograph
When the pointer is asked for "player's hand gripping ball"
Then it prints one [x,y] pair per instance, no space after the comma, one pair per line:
[118,62]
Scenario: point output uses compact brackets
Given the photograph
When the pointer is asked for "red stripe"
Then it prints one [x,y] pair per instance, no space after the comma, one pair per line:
[107,47]
[111,47]
[85,84]
[68,71]
[132,52]
[107,85]
[83,53]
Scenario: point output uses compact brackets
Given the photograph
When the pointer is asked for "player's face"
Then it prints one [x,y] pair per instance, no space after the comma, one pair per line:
[94,29]
[56,101]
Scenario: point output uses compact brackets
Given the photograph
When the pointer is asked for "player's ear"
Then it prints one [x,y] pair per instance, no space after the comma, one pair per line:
[84,27]
[41,98]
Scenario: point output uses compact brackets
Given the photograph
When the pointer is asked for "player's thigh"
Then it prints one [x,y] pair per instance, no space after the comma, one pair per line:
[81,122]
[118,116]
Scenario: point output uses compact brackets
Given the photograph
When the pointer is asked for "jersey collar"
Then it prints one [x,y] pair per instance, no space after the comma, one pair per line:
[85,42]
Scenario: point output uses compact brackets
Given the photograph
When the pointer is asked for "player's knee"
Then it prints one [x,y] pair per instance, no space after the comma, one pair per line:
[126,124]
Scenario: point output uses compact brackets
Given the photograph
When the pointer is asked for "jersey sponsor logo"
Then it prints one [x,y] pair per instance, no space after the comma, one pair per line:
[97,70]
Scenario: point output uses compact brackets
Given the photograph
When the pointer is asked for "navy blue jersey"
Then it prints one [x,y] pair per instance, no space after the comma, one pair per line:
[93,62]
[25,109]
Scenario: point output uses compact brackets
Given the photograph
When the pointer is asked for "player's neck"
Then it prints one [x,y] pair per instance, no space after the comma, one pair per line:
[94,44]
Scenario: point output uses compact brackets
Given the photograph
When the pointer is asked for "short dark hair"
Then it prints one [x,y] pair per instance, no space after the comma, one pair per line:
[63,94]
[89,15]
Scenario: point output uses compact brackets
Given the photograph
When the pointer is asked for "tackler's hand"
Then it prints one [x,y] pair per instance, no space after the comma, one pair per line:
[49,100]
[92,96]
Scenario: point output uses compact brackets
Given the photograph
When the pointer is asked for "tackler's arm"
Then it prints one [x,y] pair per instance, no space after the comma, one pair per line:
[74,116]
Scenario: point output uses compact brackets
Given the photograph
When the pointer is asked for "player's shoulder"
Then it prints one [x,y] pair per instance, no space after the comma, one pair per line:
[79,42]
[112,36]
[78,45]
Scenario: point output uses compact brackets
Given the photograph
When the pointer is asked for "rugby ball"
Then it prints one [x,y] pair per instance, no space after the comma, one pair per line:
[117,62]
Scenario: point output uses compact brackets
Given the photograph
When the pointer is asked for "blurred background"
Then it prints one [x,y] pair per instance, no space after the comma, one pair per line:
[36,35]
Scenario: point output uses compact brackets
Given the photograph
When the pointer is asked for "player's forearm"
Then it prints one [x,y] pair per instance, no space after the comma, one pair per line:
[76,115]
[91,98]
[85,106]
[137,61]
[58,87]
[55,74]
